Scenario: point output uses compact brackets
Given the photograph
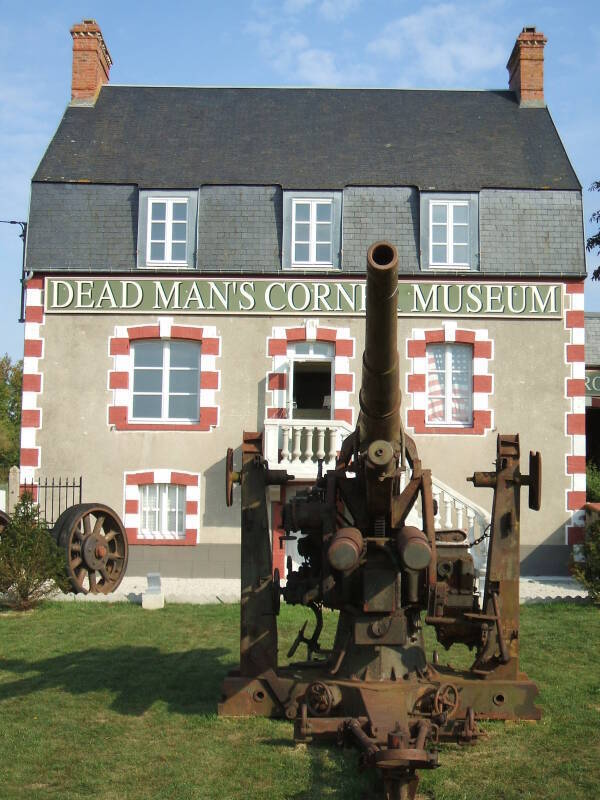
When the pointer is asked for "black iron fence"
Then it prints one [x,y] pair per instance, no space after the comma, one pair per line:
[54,495]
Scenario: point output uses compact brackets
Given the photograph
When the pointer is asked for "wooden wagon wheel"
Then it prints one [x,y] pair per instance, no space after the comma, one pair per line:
[4,520]
[95,544]
[231,477]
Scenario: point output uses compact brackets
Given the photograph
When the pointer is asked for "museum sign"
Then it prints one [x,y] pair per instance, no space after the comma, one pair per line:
[262,296]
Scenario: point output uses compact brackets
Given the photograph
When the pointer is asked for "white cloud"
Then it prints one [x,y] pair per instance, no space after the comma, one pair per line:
[332,10]
[336,10]
[444,44]
[296,57]
[296,6]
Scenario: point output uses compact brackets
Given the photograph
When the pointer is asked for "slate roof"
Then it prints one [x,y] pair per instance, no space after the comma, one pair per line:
[308,138]
[592,338]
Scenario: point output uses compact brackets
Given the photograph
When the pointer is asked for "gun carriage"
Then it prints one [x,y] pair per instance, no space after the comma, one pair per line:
[375,688]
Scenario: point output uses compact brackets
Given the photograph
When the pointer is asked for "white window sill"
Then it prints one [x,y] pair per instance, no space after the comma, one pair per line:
[167,265]
[450,268]
[450,425]
[157,421]
[311,268]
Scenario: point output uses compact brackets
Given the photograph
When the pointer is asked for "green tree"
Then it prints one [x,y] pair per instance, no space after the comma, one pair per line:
[593,243]
[32,566]
[11,382]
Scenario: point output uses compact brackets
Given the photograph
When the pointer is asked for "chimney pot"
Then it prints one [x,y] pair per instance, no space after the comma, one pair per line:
[91,61]
[526,67]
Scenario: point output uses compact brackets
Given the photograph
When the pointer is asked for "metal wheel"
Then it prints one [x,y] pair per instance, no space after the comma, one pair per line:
[95,545]
[231,477]
[446,700]
[4,520]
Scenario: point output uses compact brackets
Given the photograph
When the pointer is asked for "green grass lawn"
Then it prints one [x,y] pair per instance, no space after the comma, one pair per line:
[117,703]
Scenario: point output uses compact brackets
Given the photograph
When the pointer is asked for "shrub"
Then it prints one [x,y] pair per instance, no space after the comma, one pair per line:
[593,482]
[31,564]
[588,570]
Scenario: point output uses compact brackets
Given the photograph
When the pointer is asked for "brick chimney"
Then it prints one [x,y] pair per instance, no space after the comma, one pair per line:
[91,61]
[526,68]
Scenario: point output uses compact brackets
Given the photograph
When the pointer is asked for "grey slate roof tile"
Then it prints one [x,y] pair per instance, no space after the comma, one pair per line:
[308,138]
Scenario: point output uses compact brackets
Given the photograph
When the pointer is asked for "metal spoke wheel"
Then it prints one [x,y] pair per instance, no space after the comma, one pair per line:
[4,520]
[95,545]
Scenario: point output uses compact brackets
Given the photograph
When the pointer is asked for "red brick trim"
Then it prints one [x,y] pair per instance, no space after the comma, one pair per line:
[33,348]
[343,347]
[575,387]
[575,534]
[574,288]
[416,348]
[575,500]
[32,386]
[344,382]
[186,332]
[132,506]
[416,381]
[32,383]
[30,457]
[276,413]
[343,415]
[143,332]
[118,379]
[575,352]
[575,319]
[34,314]
[277,347]
[31,418]
[575,465]
[277,378]
[119,347]
[575,424]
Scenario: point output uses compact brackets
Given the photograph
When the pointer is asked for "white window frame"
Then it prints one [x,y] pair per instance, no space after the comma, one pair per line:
[165,393]
[313,202]
[162,511]
[448,421]
[168,241]
[450,205]
[310,357]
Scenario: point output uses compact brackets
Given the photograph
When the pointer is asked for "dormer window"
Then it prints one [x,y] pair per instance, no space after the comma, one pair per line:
[450,232]
[167,229]
[312,223]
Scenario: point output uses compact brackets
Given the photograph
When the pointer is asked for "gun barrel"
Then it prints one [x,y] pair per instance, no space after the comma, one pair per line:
[380,394]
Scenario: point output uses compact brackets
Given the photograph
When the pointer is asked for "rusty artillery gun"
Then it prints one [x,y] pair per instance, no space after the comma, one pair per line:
[375,688]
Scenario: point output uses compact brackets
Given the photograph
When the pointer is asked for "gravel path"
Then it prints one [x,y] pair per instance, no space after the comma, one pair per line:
[187,590]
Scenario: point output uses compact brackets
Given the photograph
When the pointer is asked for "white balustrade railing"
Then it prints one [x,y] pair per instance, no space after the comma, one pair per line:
[455,511]
[298,445]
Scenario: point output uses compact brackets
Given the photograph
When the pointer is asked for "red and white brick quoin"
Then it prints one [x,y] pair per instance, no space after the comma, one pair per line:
[575,416]
[483,381]
[119,348]
[280,346]
[31,417]
[133,481]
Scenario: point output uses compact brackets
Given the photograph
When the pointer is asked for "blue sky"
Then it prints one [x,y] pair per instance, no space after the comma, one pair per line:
[398,43]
